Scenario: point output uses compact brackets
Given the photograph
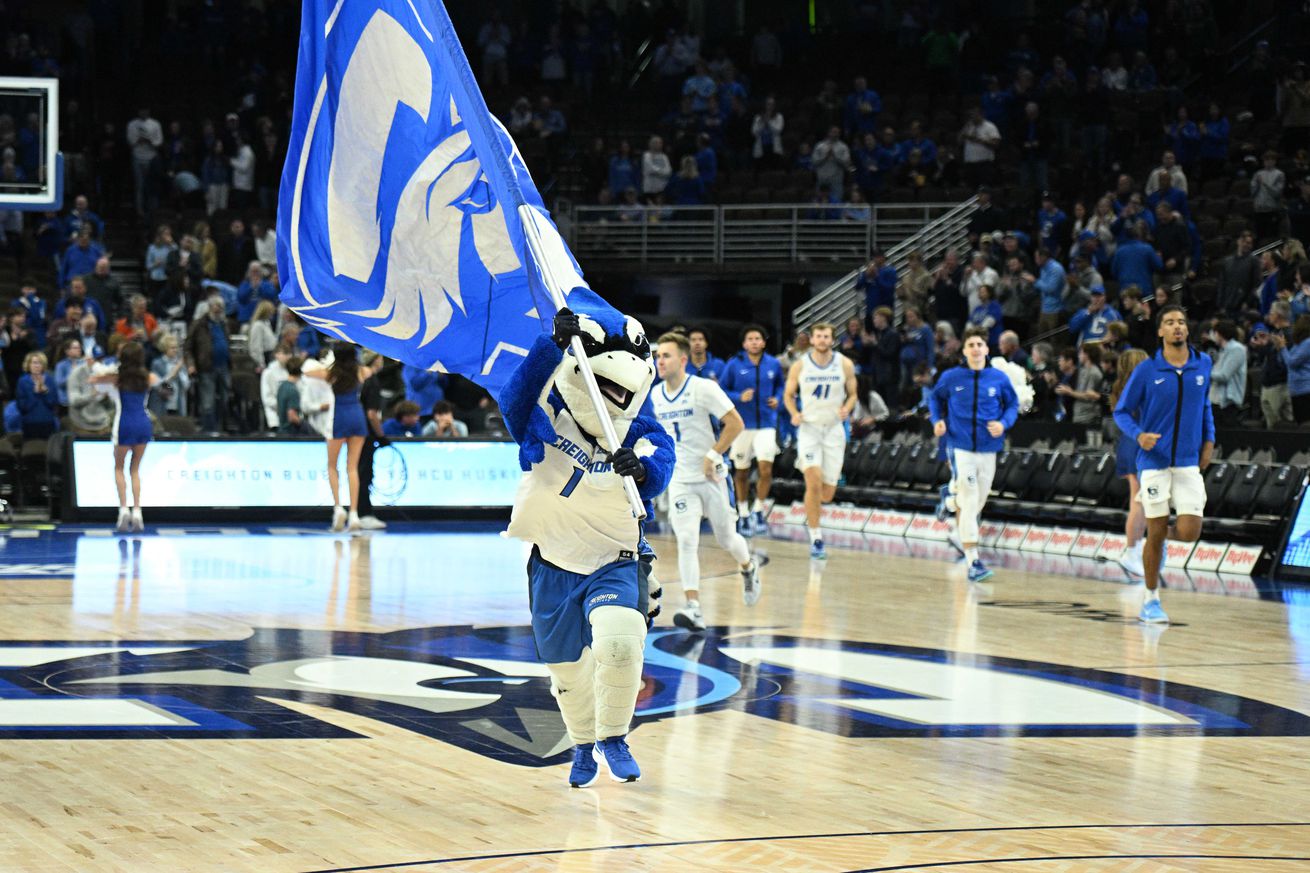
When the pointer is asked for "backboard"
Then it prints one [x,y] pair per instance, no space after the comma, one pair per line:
[36,179]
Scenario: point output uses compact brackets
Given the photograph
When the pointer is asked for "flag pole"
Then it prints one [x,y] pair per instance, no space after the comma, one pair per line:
[504,181]
[579,353]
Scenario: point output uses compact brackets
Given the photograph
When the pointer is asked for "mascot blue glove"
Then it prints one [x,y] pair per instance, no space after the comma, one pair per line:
[589,591]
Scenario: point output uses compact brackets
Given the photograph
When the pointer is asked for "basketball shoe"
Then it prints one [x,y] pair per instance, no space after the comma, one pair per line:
[585,771]
[1131,559]
[1152,612]
[618,760]
[690,618]
[979,572]
[944,508]
[750,584]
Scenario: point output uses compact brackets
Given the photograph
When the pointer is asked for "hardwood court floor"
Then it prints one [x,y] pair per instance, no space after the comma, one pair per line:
[291,701]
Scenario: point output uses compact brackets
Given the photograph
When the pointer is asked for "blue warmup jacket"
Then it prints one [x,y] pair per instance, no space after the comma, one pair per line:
[968,399]
[709,370]
[1175,403]
[768,380]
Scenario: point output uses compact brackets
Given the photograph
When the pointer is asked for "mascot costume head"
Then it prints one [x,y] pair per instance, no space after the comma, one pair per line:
[550,379]
[620,357]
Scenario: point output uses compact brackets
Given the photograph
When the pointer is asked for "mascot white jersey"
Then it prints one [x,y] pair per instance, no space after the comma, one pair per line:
[588,589]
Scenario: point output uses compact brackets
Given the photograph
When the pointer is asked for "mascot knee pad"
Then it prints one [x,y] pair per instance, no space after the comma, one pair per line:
[573,687]
[618,636]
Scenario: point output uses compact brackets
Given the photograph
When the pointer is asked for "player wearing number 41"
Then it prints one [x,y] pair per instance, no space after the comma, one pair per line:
[686,407]
[827,388]
[971,408]
[1165,407]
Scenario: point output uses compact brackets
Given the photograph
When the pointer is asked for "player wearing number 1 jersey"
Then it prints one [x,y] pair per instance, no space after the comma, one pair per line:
[825,383]
[686,407]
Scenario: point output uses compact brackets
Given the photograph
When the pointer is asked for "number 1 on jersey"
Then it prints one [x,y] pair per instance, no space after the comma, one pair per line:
[572,483]
[677,433]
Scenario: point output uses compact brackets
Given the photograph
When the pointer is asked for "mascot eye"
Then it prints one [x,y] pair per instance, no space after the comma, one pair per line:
[637,337]
[591,329]
[636,333]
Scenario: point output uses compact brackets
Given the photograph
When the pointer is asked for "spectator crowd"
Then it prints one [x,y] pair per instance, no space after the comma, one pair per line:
[1114,174]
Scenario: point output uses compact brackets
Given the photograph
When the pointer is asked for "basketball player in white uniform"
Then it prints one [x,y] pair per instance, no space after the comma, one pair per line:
[684,406]
[825,382]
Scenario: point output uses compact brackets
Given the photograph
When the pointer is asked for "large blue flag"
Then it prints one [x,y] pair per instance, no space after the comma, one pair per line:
[405,207]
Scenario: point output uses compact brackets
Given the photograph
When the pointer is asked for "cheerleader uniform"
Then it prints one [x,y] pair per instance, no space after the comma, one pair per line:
[131,423]
[348,416]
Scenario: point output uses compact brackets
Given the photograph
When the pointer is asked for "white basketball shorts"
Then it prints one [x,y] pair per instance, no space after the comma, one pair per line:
[759,444]
[822,446]
[1181,486]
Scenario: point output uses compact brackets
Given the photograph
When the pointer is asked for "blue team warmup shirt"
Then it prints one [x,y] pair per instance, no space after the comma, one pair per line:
[766,378]
[968,399]
[1173,402]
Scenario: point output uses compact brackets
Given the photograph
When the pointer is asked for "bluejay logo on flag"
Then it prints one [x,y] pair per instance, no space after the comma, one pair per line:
[403,204]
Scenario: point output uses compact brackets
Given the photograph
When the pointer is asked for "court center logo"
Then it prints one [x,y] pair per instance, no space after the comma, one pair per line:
[484,690]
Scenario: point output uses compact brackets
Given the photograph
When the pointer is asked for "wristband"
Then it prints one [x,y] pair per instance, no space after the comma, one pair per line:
[713,456]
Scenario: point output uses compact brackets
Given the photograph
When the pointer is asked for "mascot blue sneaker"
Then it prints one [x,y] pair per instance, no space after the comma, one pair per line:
[618,759]
[585,770]
[589,585]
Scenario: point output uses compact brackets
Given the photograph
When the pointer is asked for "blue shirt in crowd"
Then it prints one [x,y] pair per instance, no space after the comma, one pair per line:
[1091,327]
[1135,263]
[423,387]
[1050,284]
[222,356]
[248,297]
[880,290]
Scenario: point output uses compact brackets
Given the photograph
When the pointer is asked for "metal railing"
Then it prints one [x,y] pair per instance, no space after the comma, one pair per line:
[840,300]
[747,232]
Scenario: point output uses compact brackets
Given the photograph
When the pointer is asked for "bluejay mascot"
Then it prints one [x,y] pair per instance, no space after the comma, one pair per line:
[589,567]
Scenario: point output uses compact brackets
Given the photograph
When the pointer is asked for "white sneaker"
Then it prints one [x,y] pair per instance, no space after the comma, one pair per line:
[352,521]
[124,520]
[138,523]
[690,618]
[372,522]
[750,584]
[1131,560]
[338,520]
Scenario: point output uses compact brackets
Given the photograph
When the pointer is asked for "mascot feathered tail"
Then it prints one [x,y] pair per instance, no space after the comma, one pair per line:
[588,584]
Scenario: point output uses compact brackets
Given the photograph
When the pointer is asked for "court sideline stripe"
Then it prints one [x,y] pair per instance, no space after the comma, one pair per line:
[933,864]
[1180,666]
[675,843]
